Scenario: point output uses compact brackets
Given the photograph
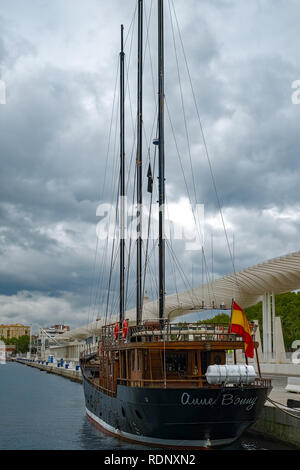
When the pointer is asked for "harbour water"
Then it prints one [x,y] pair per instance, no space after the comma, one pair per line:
[41,411]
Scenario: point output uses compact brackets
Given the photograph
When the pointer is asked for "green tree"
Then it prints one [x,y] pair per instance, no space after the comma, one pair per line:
[287,307]
[22,344]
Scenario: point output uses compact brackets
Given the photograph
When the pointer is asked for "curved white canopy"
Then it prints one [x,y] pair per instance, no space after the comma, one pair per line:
[277,275]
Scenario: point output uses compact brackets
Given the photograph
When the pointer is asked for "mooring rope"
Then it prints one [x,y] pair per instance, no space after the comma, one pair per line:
[275,403]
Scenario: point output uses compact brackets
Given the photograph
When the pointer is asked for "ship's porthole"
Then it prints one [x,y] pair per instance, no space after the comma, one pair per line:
[218,359]
[123,412]
[138,414]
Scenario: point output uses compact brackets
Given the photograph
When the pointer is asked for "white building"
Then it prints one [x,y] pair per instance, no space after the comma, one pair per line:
[47,337]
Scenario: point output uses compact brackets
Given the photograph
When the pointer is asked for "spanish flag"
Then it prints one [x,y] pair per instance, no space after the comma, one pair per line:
[240,326]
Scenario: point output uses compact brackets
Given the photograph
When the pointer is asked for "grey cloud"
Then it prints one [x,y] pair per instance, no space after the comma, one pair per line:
[54,130]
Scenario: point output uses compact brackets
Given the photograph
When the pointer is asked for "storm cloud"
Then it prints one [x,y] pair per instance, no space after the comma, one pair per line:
[59,62]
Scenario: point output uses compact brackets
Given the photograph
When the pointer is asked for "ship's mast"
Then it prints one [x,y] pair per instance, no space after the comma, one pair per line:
[139,300]
[161,158]
[122,180]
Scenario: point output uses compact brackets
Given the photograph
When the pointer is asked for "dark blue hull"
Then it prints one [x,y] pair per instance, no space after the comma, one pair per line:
[186,418]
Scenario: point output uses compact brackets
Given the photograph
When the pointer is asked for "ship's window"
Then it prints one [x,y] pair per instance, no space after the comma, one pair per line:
[133,360]
[205,361]
[176,363]
[139,361]
[123,412]
[196,367]
[124,366]
[218,359]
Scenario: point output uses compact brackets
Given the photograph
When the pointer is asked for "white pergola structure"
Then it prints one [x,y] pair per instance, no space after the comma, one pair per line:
[247,287]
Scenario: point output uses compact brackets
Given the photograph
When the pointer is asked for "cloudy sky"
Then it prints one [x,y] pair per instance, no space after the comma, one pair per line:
[58,59]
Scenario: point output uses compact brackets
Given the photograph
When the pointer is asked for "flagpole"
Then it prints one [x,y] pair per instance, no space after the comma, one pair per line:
[231,315]
[234,351]
[257,361]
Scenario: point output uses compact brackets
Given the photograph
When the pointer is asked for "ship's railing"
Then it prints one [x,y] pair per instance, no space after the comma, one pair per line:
[163,330]
[188,381]
[107,391]
[90,350]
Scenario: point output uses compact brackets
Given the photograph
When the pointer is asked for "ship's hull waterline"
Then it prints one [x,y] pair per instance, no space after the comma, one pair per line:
[182,418]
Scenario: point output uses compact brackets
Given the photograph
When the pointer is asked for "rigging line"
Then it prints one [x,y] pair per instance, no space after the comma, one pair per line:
[127,93]
[148,264]
[212,265]
[147,44]
[150,59]
[147,29]
[183,106]
[184,118]
[202,272]
[191,287]
[102,295]
[205,147]
[152,75]
[171,243]
[130,242]
[131,24]
[113,185]
[154,239]
[183,277]
[109,281]
[152,251]
[93,286]
[150,256]
[115,300]
[147,242]
[148,141]
[178,264]
[172,264]
[111,264]
[98,281]
[153,280]
[133,122]
[127,88]
[150,215]
[148,23]
[188,192]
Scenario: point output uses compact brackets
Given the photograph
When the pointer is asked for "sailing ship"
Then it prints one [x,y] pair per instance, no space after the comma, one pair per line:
[158,382]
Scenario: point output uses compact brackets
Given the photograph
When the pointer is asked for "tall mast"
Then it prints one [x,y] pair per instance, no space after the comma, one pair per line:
[161,158]
[122,180]
[139,300]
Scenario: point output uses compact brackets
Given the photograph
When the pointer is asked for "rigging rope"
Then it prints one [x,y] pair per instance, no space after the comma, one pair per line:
[188,193]
[205,146]
[99,298]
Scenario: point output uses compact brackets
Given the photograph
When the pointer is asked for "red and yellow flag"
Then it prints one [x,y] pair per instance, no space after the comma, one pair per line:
[240,326]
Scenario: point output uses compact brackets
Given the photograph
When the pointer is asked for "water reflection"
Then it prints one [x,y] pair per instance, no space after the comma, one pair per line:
[45,411]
